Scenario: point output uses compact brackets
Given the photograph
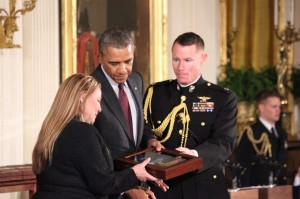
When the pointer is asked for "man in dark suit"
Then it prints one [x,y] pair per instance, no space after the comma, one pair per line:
[194,117]
[122,130]
[262,149]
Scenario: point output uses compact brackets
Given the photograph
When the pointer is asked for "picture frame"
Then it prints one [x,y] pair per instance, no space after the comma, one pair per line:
[165,165]
[150,31]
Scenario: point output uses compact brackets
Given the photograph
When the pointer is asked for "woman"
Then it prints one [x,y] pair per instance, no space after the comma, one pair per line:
[70,158]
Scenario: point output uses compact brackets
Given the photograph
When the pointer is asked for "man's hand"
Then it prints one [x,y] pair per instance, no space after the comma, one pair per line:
[187,151]
[160,183]
[156,144]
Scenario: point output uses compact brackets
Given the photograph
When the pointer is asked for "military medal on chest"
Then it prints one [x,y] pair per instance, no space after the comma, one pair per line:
[203,105]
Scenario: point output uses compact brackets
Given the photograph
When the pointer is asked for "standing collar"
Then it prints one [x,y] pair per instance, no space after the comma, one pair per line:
[268,125]
[183,86]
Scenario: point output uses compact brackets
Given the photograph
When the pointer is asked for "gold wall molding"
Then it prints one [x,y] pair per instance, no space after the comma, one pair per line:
[69,38]
[223,45]
[158,40]
[8,22]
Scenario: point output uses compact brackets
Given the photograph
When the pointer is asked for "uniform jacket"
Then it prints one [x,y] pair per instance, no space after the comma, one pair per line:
[82,167]
[212,131]
[111,122]
[256,170]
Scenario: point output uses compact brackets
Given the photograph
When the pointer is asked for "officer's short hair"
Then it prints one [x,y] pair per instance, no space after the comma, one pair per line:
[188,39]
[265,94]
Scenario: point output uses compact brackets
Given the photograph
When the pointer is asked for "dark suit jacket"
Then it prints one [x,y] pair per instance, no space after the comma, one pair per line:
[82,167]
[257,171]
[111,122]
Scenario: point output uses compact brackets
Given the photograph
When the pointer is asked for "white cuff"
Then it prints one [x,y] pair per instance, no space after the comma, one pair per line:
[297,181]
[195,153]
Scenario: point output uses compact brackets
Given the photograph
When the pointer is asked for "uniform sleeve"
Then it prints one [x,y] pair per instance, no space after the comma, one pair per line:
[244,151]
[283,153]
[223,134]
[92,160]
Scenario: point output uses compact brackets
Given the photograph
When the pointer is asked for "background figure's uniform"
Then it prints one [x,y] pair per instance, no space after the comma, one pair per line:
[212,131]
[256,169]
[82,167]
[111,121]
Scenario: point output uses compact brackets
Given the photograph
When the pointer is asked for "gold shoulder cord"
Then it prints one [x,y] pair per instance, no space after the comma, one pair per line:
[169,120]
[147,104]
[263,140]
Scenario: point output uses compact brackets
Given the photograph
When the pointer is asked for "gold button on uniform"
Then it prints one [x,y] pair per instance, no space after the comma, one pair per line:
[215,176]
[180,132]
[202,124]
[208,84]
[158,122]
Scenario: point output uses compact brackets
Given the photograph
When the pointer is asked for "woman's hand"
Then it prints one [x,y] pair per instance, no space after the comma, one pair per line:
[143,175]
[141,172]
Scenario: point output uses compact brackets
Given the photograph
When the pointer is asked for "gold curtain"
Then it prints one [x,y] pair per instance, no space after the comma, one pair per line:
[255,43]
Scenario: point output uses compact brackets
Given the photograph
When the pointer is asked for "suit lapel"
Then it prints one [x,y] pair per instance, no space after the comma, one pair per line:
[134,88]
[111,101]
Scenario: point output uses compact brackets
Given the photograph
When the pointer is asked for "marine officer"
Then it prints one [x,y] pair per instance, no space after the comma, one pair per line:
[195,117]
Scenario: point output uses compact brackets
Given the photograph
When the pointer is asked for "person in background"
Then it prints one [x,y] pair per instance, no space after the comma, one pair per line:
[70,158]
[194,117]
[296,185]
[262,147]
[121,121]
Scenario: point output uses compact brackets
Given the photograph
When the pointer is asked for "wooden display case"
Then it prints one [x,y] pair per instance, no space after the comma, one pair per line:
[164,165]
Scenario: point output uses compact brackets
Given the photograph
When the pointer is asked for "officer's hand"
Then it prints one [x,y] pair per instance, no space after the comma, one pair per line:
[156,144]
[186,151]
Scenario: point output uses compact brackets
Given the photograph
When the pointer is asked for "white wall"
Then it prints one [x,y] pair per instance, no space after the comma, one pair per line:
[29,78]
[203,18]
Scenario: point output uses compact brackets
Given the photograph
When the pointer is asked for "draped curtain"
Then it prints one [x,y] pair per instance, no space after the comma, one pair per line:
[255,43]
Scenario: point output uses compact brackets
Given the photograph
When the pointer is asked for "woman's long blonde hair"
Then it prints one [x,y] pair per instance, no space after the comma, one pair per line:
[65,107]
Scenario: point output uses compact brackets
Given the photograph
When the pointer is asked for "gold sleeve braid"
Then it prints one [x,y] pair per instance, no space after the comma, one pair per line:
[263,140]
[169,120]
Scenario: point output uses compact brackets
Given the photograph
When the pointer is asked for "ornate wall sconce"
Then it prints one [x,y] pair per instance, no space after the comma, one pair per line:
[8,23]
[287,37]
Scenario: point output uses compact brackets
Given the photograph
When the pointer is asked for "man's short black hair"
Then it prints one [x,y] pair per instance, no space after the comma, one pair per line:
[265,94]
[188,39]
